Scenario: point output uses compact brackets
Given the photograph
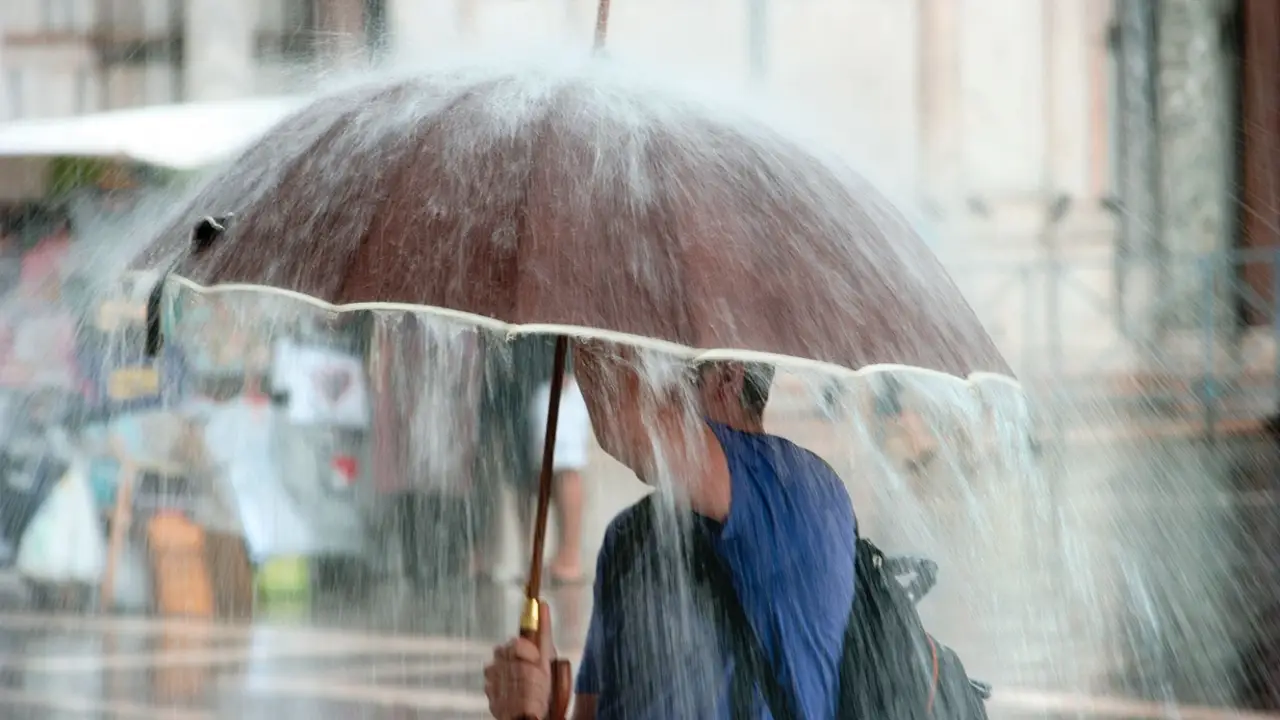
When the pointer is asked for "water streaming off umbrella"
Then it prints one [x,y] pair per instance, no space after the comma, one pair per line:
[317,423]
[429,379]
[1042,585]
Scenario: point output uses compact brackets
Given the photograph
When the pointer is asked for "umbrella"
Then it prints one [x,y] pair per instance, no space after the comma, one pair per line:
[571,200]
[578,201]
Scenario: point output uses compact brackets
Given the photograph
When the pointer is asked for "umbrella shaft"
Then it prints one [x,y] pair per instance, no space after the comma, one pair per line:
[548,464]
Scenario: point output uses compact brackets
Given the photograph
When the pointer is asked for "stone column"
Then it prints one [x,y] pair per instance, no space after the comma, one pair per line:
[219,44]
[1196,159]
[1140,261]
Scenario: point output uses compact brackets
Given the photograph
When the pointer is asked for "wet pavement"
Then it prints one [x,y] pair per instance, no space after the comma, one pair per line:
[72,667]
[1162,560]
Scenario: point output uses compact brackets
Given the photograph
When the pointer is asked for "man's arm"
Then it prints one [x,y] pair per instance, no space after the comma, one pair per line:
[591,682]
[584,707]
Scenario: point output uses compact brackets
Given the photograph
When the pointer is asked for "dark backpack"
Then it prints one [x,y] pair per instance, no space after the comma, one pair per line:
[892,669]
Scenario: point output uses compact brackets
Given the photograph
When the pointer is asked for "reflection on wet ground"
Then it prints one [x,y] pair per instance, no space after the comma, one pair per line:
[1184,562]
[112,667]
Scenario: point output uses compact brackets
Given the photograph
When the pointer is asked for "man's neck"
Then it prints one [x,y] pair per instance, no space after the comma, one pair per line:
[703,470]
[707,481]
[737,418]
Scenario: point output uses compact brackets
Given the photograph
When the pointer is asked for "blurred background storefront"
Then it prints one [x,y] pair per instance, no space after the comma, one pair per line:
[1076,161]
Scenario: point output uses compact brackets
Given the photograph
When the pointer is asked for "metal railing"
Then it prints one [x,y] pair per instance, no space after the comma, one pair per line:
[1188,337]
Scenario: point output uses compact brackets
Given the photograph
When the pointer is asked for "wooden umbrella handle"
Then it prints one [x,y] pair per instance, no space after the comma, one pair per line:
[561,670]
[561,689]
[561,684]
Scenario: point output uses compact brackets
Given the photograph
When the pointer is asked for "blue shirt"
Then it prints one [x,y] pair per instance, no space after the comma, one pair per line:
[789,542]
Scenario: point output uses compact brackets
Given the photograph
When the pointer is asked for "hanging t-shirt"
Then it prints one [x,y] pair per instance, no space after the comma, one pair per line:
[238,441]
[325,387]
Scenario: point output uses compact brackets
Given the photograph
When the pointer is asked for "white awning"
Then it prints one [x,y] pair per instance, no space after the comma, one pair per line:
[181,137]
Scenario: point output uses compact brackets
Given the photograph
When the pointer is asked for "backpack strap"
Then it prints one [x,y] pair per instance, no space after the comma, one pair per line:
[752,668]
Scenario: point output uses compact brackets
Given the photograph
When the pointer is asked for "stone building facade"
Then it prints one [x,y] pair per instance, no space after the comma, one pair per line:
[1196,132]
[66,57]
[1184,278]
[1006,126]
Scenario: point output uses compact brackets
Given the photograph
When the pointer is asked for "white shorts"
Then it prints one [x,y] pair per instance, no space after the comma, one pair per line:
[573,431]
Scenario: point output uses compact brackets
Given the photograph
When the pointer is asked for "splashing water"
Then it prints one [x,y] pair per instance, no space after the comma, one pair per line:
[386,444]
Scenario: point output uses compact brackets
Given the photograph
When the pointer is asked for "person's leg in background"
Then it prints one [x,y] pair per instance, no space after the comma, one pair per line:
[407,517]
[573,440]
[567,500]
[492,463]
[484,510]
[487,473]
[513,371]
[514,470]
[445,536]
[570,501]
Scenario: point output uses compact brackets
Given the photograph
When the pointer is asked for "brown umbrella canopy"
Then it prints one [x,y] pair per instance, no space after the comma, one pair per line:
[577,197]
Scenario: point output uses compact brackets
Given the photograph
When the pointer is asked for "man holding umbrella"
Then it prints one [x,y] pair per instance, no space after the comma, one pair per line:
[651,219]
[777,515]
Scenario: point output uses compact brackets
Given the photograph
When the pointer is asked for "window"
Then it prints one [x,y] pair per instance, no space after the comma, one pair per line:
[300,29]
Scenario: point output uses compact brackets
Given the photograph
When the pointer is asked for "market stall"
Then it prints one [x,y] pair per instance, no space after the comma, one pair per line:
[188,136]
[258,462]
[101,164]
[192,459]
